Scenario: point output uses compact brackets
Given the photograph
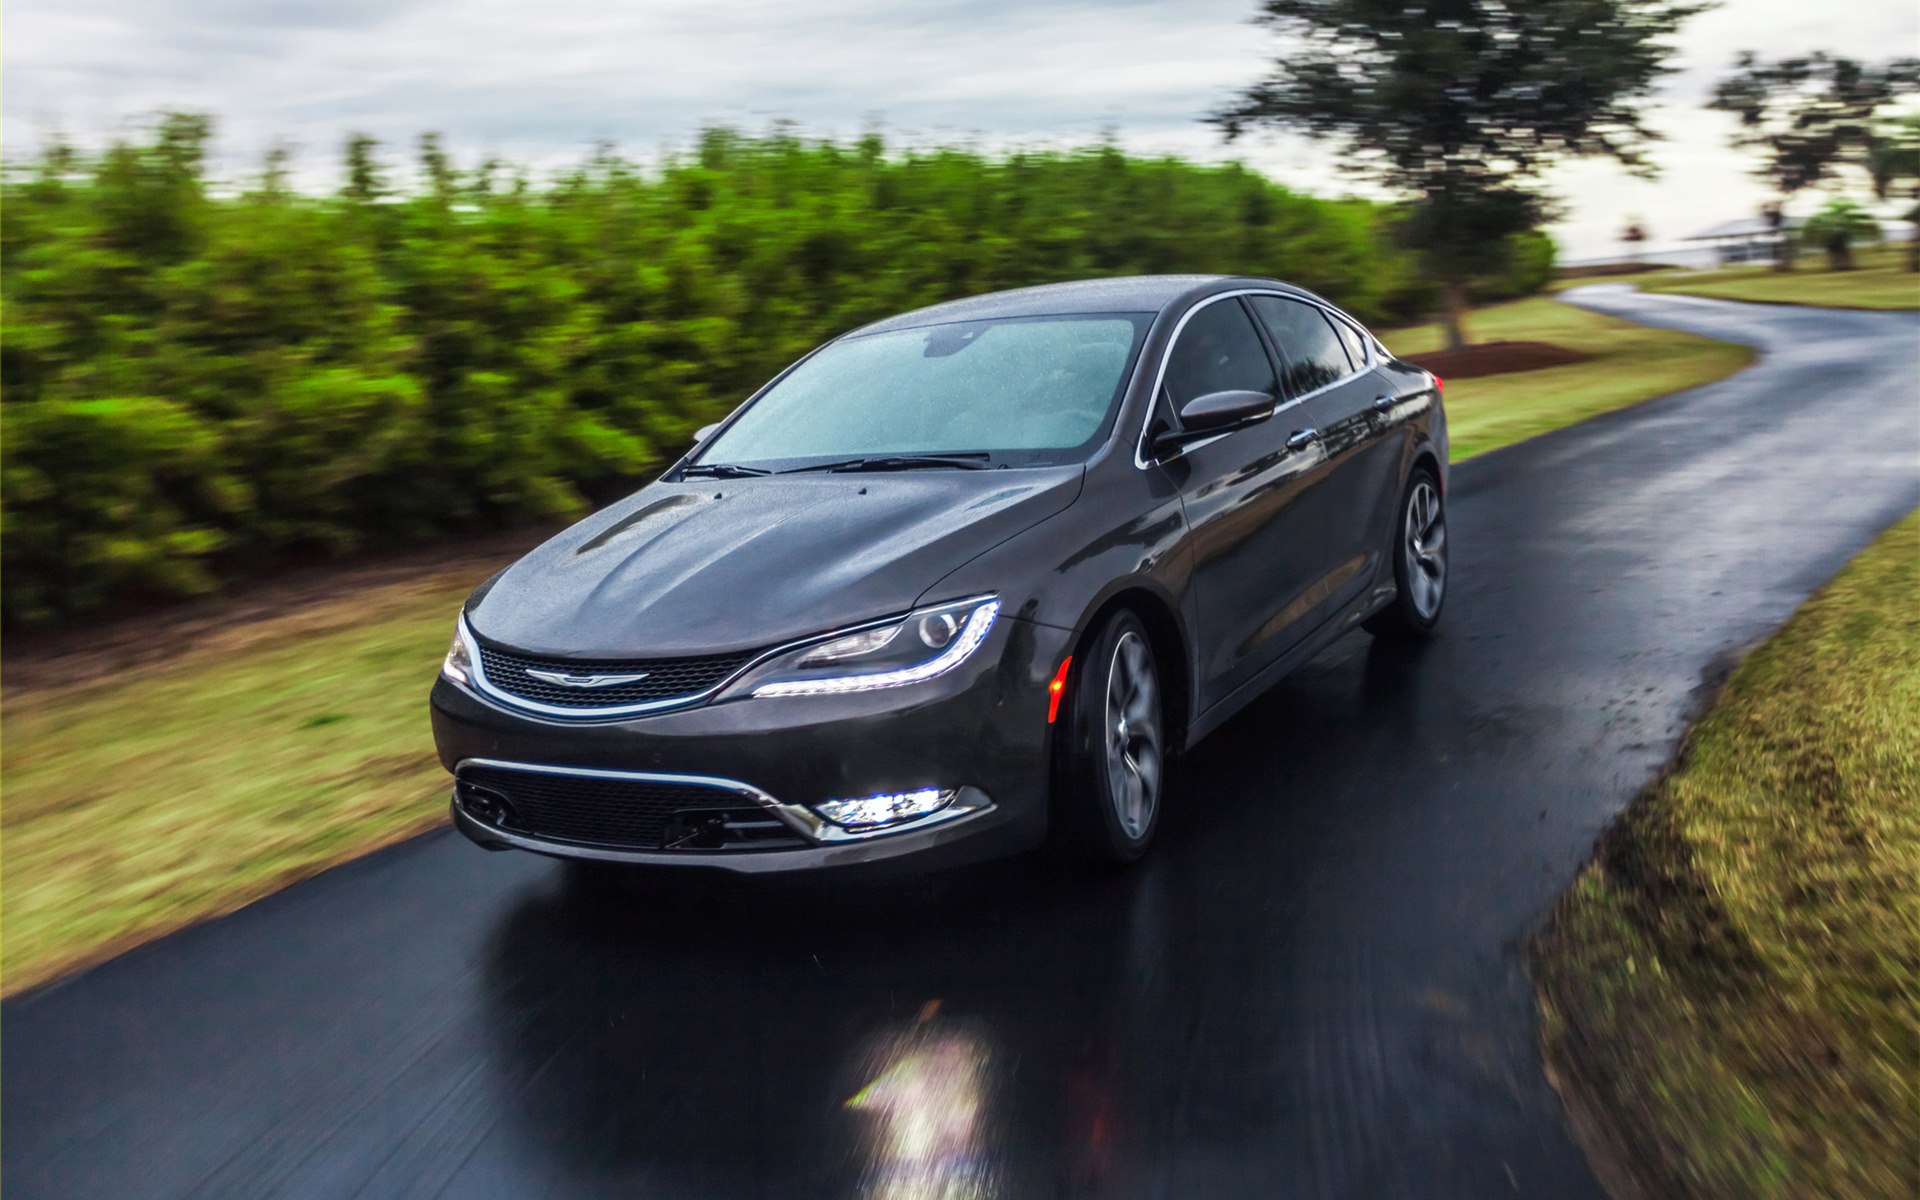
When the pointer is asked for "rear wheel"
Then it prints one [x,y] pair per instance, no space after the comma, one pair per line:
[1113,772]
[1419,562]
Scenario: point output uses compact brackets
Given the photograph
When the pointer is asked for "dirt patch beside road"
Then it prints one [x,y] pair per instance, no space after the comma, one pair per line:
[297,602]
[1496,358]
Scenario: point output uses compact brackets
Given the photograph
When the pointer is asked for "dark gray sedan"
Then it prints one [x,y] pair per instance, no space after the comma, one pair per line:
[955,583]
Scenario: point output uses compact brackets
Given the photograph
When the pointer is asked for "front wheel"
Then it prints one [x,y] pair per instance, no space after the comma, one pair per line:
[1113,771]
[1419,562]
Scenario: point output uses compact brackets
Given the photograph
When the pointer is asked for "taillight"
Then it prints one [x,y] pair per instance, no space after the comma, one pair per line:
[1439,384]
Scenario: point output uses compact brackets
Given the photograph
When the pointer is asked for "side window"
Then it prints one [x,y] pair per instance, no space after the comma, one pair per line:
[1353,340]
[1314,357]
[1219,351]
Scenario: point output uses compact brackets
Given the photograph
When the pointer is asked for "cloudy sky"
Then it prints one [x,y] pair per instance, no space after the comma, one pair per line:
[542,80]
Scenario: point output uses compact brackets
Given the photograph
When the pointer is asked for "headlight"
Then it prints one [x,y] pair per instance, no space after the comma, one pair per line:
[458,665]
[924,644]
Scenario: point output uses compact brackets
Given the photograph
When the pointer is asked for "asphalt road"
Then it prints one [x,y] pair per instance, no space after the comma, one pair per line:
[1314,987]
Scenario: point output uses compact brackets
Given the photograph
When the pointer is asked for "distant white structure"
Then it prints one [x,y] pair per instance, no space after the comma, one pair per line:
[1747,240]
[1744,240]
[1752,239]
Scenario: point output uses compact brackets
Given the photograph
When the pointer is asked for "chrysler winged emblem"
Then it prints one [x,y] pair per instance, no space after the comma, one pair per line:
[586,681]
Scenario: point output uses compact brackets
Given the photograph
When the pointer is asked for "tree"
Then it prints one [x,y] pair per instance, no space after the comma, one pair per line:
[437,168]
[1837,227]
[1893,160]
[366,178]
[1811,117]
[1462,105]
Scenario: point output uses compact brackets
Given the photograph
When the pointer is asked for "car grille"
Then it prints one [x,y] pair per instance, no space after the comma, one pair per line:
[667,679]
[618,813]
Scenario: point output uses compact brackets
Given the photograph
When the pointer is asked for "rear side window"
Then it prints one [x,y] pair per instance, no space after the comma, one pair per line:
[1313,353]
[1353,340]
[1219,351]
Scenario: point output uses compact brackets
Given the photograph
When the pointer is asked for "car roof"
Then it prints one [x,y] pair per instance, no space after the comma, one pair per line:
[1125,293]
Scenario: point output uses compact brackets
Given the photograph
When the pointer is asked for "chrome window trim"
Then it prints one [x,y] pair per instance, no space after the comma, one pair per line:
[967,801]
[485,688]
[1140,459]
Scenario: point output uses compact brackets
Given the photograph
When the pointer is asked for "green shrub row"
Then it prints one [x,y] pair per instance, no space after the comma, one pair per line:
[197,383]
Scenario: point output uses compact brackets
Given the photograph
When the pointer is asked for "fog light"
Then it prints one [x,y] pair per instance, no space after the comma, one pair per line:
[486,804]
[888,808]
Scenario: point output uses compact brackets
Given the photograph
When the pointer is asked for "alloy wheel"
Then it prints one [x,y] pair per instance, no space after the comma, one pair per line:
[1134,758]
[1426,549]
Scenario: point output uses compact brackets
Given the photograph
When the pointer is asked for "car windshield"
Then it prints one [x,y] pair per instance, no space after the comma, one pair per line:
[1024,391]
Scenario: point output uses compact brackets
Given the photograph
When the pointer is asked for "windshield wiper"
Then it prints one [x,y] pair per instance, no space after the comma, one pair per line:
[903,462]
[720,471]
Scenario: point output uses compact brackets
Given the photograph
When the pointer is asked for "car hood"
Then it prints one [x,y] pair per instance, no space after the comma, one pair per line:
[716,566]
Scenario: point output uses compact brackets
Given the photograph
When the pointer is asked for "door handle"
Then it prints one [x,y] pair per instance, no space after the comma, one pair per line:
[1383,404]
[1302,438]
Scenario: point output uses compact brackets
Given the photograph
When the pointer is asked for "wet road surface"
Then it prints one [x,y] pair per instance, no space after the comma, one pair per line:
[1314,986]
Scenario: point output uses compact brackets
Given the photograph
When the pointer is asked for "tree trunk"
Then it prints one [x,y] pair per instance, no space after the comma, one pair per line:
[1783,258]
[1454,296]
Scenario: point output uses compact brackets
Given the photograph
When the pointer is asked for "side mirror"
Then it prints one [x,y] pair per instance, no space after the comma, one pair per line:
[1213,413]
[701,434]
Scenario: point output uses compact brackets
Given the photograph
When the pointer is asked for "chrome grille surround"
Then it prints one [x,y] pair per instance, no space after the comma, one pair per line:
[502,675]
[663,680]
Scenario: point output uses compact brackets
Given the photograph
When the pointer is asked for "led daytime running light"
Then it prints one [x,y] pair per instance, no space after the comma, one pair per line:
[979,623]
[888,808]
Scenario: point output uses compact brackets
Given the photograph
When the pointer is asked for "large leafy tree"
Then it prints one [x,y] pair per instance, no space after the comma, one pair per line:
[1812,118]
[1461,105]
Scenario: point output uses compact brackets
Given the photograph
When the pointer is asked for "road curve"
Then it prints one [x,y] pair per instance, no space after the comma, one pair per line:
[1313,987]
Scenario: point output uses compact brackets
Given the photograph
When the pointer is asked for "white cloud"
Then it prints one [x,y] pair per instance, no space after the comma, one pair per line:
[542,82]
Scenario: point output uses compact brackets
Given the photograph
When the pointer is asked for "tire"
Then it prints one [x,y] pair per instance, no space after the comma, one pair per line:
[1419,561]
[1111,781]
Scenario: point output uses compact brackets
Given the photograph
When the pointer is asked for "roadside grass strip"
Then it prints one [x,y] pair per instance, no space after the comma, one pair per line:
[188,787]
[1731,992]
[1629,364]
[1881,281]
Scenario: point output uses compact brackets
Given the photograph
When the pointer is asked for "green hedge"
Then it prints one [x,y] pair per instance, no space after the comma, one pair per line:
[198,383]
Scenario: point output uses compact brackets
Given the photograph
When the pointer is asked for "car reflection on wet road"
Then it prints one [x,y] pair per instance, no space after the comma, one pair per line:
[1312,987]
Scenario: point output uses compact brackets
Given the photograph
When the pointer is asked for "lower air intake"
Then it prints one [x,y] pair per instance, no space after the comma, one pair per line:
[617,813]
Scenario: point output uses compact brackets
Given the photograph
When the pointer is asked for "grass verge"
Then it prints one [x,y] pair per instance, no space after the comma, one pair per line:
[1630,363]
[183,788]
[1881,281]
[1732,991]
[189,787]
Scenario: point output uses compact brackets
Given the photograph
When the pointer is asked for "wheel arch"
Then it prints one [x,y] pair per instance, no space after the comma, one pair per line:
[1168,640]
[1425,456]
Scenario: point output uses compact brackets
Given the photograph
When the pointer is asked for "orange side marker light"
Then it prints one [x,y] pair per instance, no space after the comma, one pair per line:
[1057,688]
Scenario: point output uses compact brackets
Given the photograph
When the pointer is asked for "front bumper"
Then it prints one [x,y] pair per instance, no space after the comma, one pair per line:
[981,730]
